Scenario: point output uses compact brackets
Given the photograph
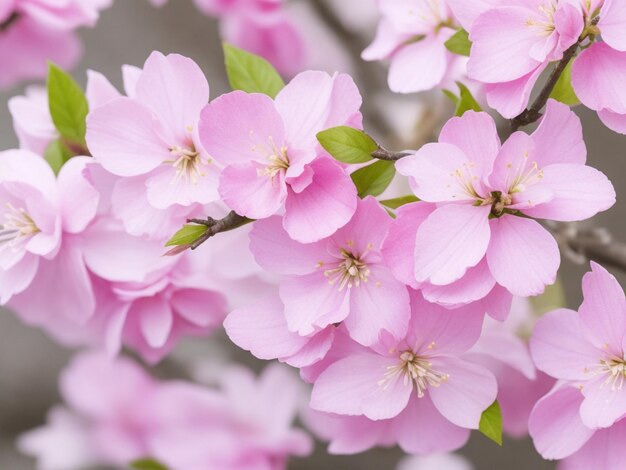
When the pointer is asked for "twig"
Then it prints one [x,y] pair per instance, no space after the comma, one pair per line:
[9,21]
[384,154]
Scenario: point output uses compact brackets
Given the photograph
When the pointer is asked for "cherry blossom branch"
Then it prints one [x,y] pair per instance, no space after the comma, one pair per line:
[382,153]
[9,21]
[214,226]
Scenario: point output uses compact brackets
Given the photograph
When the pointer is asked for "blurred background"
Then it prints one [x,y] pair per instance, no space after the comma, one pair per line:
[126,34]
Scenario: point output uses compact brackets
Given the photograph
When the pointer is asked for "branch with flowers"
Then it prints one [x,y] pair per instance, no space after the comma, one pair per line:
[416,292]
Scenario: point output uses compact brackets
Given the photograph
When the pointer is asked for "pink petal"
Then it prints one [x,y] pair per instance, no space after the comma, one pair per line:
[435,328]
[476,135]
[474,285]
[261,328]
[579,192]
[175,89]
[598,75]
[130,77]
[603,311]
[78,198]
[434,173]
[401,240]
[604,403]
[501,42]
[507,348]
[324,206]
[367,228]
[612,22]
[386,41]
[421,429]
[428,55]
[99,89]
[201,307]
[498,303]
[604,450]
[514,159]
[559,137]
[238,127]
[250,194]
[351,387]
[314,350]
[511,98]
[469,390]
[156,320]
[17,278]
[314,101]
[165,187]
[125,138]
[532,264]
[614,121]
[312,303]
[467,12]
[276,252]
[565,355]
[381,304]
[555,424]
[453,239]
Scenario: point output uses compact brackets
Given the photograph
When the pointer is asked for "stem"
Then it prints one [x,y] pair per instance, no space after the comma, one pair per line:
[532,114]
[9,21]
[230,222]
[383,154]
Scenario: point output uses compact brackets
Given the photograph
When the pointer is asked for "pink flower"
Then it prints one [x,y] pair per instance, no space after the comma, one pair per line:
[272,157]
[150,140]
[482,231]
[42,217]
[600,68]
[419,388]
[339,279]
[35,31]
[585,352]
[413,35]
[514,41]
[605,450]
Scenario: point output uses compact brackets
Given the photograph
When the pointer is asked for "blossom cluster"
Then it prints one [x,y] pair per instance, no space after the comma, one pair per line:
[409,317]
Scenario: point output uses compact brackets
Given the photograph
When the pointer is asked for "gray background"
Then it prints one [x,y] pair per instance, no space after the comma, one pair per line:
[29,361]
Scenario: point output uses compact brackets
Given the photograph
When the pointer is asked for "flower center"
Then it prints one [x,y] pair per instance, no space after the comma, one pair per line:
[499,202]
[465,178]
[278,161]
[614,369]
[188,164]
[544,21]
[416,369]
[17,226]
[350,271]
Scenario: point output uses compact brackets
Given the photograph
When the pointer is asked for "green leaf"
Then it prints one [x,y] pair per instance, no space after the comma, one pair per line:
[455,99]
[68,105]
[460,43]
[491,423]
[467,102]
[373,179]
[251,73]
[56,155]
[147,464]
[563,90]
[187,235]
[348,145]
[399,201]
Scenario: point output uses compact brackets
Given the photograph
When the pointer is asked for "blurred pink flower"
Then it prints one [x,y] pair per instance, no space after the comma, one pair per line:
[272,158]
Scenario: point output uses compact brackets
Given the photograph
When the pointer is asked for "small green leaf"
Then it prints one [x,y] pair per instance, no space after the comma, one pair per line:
[56,155]
[459,43]
[491,423]
[251,73]
[467,102]
[147,464]
[348,145]
[373,179]
[68,105]
[187,235]
[399,201]
[563,90]
[455,99]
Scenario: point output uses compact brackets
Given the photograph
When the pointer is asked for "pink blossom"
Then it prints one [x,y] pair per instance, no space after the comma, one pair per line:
[413,35]
[272,158]
[339,279]
[513,42]
[482,232]
[35,31]
[42,218]
[418,392]
[599,70]
[150,140]
[605,450]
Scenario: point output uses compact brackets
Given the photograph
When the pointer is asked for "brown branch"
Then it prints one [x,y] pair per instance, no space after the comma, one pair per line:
[583,244]
[383,154]
[9,21]
[532,114]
